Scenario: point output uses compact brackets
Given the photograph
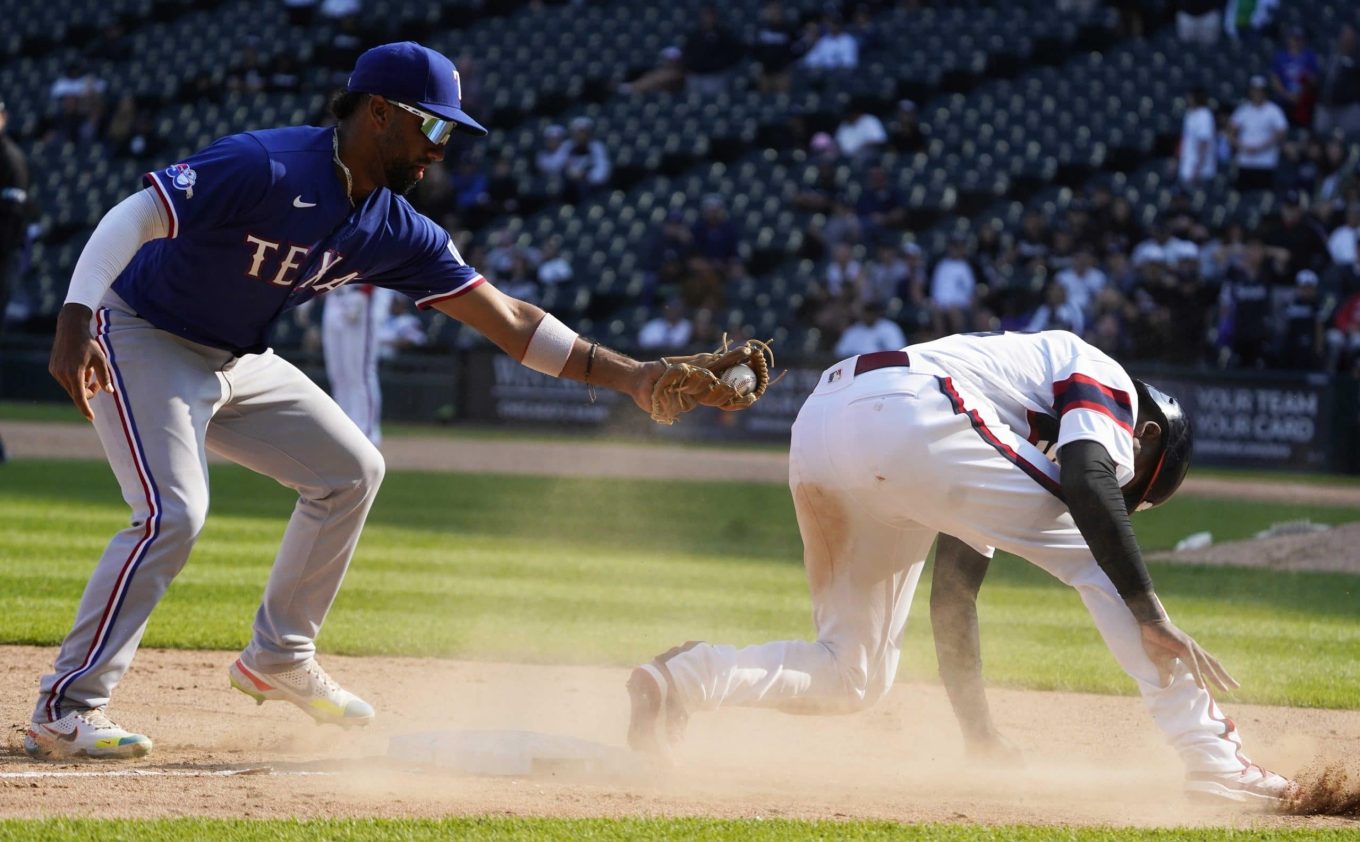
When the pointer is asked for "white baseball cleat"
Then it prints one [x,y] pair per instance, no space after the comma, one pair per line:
[83,733]
[309,687]
[1252,785]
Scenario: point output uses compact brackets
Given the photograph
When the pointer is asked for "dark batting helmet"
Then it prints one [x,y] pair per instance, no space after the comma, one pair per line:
[1177,442]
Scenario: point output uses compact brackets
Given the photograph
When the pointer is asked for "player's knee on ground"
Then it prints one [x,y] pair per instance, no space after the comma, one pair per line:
[859,690]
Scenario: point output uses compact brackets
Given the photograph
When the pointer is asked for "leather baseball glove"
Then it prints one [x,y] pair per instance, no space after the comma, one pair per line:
[695,379]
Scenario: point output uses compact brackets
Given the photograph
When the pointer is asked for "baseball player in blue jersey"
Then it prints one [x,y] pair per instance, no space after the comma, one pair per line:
[163,344]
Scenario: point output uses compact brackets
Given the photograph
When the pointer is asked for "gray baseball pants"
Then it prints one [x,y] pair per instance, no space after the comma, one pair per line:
[173,401]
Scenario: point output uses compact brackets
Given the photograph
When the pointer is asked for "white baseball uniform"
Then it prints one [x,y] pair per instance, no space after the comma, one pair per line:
[351,324]
[894,447]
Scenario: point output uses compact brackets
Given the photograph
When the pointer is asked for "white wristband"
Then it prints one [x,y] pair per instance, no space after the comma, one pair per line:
[550,346]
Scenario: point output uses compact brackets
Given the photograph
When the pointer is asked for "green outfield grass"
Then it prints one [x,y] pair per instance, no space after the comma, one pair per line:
[699,830]
[602,571]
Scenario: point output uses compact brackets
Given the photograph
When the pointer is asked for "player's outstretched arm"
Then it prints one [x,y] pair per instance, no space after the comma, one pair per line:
[1101,514]
[958,574]
[541,342]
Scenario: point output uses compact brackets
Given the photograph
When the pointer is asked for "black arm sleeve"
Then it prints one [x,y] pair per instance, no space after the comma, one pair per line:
[1098,508]
[959,570]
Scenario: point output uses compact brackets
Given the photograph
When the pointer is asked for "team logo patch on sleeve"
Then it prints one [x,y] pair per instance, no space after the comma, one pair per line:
[183,177]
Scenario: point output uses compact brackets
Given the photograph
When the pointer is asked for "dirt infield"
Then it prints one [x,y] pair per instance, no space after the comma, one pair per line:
[1090,759]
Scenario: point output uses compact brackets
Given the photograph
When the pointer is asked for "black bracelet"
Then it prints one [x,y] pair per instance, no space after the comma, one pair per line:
[590,363]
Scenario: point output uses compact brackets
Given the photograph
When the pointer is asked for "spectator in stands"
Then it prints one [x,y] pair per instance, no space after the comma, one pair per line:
[1244,306]
[76,80]
[120,124]
[952,286]
[1223,148]
[555,267]
[1342,244]
[1082,281]
[1301,337]
[1343,337]
[1296,235]
[1122,230]
[1249,18]
[551,157]
[870,332]
[401,331]
[886,275]
[668,76]
[1336,173]
[1160,247]
[1034,240]
[880,206]
[1258,130]
[845,277]
[710,53]
[914,290]
[1107,334]
[714,235]
[842,225]
[835,49]
[587,165]
[666,257]
[1223,250]
[1198,161]
[1338,102]
[1198,21]
[774,47]
[860,133]
[521,280]
[1057,312]
[1294,76]
[1120,272]
[904,129]
[78,120]
[670,331]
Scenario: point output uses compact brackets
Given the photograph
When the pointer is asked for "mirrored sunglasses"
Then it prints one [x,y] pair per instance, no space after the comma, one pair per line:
[436,129]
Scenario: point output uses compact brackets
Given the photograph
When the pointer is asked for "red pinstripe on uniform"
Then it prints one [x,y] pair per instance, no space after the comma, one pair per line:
[150,530]
[165,200]
[1049,484]
[432,300]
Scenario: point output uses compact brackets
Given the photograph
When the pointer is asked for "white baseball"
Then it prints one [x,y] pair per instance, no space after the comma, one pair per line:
[740,377]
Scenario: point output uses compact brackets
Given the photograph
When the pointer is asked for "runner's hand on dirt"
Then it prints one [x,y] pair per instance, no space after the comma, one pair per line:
[77,362]
[994,749]
[1164,644]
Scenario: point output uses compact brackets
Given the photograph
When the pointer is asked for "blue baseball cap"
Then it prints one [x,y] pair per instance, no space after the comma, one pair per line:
[408,73]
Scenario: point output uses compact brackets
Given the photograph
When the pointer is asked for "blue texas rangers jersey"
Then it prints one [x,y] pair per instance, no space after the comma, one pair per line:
[259,223]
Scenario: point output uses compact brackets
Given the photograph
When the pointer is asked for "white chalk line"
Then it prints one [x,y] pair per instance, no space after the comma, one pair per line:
[163,773]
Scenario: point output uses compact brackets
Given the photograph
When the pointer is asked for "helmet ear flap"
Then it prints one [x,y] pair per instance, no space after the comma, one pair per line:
[1177,443]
